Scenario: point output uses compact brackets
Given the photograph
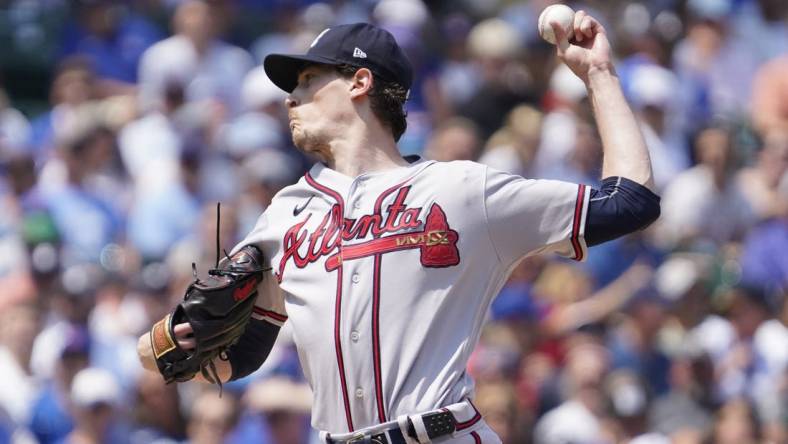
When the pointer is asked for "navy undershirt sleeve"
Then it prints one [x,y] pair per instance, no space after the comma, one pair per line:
[251,350]
[619,207]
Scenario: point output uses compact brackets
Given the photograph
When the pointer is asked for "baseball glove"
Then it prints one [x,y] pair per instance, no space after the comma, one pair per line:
[218,309]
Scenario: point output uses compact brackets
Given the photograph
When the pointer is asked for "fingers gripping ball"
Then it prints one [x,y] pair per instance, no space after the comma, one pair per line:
[218,310]
[563,15]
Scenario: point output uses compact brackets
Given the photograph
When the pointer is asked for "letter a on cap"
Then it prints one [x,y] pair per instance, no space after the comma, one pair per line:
[359,54]
[314,42]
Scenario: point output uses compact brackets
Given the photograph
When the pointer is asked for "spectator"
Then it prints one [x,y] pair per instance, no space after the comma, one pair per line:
[284,407]
[118,314]
[700,59]
[84,208]
[765,185]
[705,189]
[736,424]
[263,123]
[653,94]
[284,33]
[761,25]
[151,146]
[210,70]
[457,75]
[96,399]
[494,45]
[263,174]
[582,163]
[52,420]
[770,95]
[212,418]
[684,409]
[590,308]
[629,398]
[73,86]
[762,260]
[634,344]
[514,147]
[112,37]
[18,386]
[566,104]
[497,403]
[754,362]
[580,417]
[71,299]
[167,212]
[157,412]
[15,214]
[14,128]
[456,139]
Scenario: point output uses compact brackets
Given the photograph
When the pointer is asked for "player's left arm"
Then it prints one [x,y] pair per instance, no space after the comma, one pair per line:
[244,357]
[250,350]
[626,202]
[268,317]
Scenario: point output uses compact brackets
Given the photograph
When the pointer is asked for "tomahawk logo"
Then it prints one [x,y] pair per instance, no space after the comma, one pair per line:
[397,227]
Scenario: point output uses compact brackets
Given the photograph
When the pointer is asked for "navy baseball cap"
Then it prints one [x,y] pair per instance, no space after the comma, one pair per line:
[359,44]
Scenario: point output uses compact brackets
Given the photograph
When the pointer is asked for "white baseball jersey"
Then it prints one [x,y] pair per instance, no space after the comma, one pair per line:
[386,278]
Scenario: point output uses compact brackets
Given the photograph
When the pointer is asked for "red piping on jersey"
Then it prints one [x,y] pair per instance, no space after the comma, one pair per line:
[581,194]
[376,338]
[476,438]
[338,346]
[376,312]
[271,314]
[338,300]
[470,422]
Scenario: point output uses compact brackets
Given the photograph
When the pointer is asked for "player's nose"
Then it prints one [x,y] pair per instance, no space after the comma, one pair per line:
[291,101]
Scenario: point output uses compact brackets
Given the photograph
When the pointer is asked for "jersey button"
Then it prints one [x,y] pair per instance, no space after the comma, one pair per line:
[355,278]
[357,204]
[354,336]
[359,393]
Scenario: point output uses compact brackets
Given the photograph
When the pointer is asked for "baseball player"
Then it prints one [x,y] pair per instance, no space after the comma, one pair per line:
[385,266]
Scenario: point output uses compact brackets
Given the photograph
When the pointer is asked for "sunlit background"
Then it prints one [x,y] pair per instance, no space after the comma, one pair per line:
[122,123]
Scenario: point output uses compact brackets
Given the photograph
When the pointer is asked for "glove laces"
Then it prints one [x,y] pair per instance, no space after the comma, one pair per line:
[209,372]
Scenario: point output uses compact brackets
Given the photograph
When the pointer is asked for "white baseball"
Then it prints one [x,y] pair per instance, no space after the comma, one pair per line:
[562,14]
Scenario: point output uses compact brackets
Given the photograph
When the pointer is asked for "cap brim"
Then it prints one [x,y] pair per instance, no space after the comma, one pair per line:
[283,69]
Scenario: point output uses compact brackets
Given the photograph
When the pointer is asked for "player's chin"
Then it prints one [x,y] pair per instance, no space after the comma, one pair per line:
[299,140]
[304,142]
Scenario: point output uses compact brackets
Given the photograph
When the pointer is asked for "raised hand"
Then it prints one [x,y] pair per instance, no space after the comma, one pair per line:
[589,50]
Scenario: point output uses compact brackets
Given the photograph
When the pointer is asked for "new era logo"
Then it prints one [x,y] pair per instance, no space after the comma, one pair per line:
[359,54]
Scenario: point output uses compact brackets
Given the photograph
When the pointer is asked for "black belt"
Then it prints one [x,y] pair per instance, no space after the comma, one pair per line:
[436,424]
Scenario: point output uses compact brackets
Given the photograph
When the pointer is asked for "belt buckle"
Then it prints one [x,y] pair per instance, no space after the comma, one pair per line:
[357,438]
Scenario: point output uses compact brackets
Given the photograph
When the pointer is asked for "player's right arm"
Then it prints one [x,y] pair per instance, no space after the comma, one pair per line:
[566,218]
[589,57]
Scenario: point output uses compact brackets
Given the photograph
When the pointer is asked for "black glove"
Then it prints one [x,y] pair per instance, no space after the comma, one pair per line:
[218,310]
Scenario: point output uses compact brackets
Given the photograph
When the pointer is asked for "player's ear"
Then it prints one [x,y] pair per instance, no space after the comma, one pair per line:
[361,83]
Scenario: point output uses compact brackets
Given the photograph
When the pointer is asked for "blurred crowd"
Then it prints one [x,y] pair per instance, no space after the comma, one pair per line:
[122,123]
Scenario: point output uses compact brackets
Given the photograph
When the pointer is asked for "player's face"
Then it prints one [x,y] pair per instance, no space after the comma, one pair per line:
[318,108]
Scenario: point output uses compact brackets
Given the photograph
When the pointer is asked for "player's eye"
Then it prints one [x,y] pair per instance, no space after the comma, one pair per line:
[306,80]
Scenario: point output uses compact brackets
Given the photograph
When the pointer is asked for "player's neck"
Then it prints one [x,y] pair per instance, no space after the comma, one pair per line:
[364,149]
